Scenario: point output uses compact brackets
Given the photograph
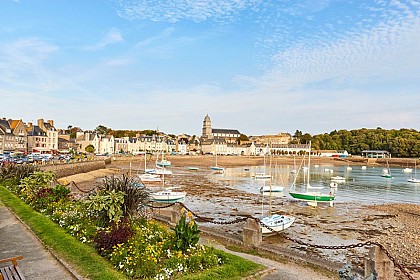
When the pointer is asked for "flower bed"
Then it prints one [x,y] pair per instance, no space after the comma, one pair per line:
[108,220]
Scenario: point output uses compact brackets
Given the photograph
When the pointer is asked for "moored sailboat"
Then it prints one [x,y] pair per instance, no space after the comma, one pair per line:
[273,223]
[386,172]
[312,197]
[216,167]
[167,196]
[414,179]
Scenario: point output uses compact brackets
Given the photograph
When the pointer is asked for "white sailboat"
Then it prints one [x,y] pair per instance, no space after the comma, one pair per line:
[313,197]
[294,171]
[167,195]
[386,172]
[275,222]
[262,175]
[216,167]
[147,177]
[163,162]
[338,179]
[414,179]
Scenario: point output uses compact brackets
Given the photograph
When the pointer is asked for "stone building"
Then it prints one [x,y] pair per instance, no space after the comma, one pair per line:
[216,140]
[19,130]
[7,138]
[229,135]
[37,139]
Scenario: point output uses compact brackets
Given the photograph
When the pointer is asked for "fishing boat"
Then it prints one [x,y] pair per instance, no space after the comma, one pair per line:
[167,196]
[313,197]
[407,170]
[414,179]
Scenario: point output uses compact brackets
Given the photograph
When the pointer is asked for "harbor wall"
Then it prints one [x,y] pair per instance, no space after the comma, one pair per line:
[66,169]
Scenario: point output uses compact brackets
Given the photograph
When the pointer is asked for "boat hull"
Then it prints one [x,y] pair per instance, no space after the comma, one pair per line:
[272,189]
[216,168]
[414,180]
[277,223]
[313,197]
[167,197]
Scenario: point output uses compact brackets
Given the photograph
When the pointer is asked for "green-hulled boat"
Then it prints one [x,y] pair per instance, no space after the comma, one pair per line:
[311,197]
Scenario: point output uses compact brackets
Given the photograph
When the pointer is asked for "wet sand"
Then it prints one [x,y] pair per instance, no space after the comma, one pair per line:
[396,226]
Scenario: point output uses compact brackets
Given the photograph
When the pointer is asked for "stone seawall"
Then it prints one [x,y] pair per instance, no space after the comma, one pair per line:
[66,169]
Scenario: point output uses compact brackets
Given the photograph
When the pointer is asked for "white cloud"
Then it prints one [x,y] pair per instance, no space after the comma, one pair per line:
[359,55]
[176,10]
[113,36]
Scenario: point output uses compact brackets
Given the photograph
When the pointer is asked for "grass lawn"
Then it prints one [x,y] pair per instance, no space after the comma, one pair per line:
[85,259]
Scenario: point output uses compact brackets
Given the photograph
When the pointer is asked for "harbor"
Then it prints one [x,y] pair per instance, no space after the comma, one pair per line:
[367,208]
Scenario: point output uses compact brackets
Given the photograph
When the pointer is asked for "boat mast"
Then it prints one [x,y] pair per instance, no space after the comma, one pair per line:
[271,179]
[309,163]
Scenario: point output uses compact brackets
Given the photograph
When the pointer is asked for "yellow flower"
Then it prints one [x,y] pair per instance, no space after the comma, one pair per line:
[189,215]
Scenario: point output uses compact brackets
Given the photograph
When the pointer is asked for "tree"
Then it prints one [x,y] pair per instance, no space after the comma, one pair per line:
[90,149]
[243,137]
[100,129]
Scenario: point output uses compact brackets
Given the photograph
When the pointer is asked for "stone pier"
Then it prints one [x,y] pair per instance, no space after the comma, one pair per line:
[252,234]
[378,261]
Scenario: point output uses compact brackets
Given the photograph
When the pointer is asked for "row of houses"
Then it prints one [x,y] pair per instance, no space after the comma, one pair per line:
[44,137]
[17,136]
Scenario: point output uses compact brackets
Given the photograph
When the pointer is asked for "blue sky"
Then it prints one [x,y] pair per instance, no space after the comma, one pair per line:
[258,66]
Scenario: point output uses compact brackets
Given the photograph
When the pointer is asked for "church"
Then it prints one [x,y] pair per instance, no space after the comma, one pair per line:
[216,140]
[229,135]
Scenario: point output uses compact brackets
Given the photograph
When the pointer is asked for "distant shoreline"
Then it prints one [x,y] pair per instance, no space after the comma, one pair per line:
[233,161]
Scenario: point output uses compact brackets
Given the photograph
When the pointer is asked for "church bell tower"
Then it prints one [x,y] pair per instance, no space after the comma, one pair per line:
[207,131]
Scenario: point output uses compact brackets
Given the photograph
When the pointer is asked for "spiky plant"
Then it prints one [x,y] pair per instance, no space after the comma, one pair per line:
[136,195]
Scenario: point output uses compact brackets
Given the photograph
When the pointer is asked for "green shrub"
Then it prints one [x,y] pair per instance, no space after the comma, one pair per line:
[108,205]
[30,185]
[135,196]
[186,233]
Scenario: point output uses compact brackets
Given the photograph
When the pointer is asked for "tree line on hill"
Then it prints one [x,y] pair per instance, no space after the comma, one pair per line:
[404,143]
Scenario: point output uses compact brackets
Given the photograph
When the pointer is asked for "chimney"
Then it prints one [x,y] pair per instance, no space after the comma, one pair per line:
[41,122]
[51,122]
[29,124]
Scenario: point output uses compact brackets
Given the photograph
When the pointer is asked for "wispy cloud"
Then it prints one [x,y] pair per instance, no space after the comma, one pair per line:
[177,10]
[163,35]
[359,54]
[25,58]
[113,36]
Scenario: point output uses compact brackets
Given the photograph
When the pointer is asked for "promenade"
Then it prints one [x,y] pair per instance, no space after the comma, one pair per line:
[17,240]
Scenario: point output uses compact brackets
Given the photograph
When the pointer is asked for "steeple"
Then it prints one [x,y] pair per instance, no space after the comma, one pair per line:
[207,131]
